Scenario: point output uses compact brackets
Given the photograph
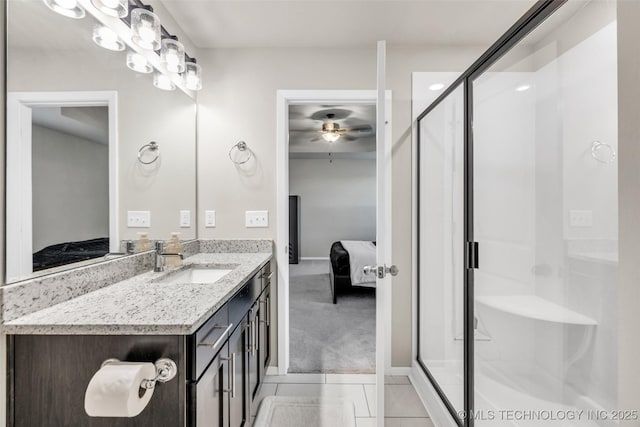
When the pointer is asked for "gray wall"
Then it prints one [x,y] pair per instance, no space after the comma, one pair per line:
[70,188]
[337,202]
[238,102]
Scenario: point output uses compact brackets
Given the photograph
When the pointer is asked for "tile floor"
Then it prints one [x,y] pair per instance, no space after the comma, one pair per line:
[403,407]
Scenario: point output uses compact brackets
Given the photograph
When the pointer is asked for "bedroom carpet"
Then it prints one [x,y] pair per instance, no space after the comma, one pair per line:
[327,337]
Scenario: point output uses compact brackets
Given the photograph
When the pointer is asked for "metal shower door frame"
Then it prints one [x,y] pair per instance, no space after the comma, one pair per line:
[542,10]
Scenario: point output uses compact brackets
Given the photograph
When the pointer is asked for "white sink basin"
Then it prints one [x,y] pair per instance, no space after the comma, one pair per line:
[197,275]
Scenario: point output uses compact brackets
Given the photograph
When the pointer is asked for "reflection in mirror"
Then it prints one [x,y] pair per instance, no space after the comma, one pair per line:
[72,144]
[77,117]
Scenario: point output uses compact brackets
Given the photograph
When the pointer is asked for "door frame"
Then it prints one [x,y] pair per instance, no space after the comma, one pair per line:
[19,218]
[297,97]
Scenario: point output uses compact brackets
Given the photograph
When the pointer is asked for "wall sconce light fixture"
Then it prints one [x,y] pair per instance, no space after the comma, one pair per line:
[68,8]
[115,8]
[107,38]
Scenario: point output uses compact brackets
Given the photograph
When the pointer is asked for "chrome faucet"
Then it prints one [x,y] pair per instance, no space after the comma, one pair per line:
[161,256]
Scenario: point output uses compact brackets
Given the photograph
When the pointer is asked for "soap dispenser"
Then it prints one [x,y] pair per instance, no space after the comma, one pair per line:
[174,246]
[143,242]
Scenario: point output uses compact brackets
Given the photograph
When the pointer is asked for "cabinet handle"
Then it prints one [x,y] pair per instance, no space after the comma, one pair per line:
[219,340]
[262,276]
[233,374]
[253,336]
[266,311]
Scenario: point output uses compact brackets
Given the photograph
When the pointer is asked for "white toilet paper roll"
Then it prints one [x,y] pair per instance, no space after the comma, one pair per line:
[114,391]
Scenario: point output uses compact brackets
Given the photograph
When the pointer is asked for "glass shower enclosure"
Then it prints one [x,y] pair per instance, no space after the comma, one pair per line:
[518,226]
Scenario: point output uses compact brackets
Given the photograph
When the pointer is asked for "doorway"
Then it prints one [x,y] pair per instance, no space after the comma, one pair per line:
[306,98]
[332,233]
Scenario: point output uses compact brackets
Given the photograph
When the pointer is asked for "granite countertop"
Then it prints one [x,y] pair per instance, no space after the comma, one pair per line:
[143,305]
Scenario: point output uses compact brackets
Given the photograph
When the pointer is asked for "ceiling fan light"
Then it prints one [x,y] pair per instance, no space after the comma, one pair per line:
[331,136]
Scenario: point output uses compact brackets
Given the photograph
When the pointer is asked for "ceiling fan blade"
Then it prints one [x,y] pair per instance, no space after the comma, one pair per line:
[303,130]
[348,137]
[361,129]
[316,139]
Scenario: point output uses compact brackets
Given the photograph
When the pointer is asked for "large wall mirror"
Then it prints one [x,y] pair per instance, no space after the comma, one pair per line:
[80,163]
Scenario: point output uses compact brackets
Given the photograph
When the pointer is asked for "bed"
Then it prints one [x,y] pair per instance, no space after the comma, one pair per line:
[345,274]
[68,252]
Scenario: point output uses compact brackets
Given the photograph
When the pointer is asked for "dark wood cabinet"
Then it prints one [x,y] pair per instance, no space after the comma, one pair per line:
[210,399]
[220,369]
[252,353]
[264,347]
[239,408]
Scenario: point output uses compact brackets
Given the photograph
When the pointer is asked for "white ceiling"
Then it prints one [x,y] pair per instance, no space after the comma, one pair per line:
[344,24]
[305,122]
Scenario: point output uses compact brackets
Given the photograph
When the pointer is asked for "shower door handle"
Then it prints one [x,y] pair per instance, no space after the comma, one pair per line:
[381,271]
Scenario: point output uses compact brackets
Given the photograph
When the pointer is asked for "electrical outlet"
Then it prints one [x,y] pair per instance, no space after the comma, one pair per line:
[209,218]
[580,218]
[138,219]
[185,219]
[256,219]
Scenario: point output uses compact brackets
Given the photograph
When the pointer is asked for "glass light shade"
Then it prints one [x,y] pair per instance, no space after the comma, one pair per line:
[107,38]
[138,62]
[192,76]
[145,29]
[115,8]
[331,136]
[162,81]
[68,8]
[172,55]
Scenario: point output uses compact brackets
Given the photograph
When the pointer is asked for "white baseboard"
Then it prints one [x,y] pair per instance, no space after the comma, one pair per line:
[400,371]
[437,411]
[314,258]
[272,370]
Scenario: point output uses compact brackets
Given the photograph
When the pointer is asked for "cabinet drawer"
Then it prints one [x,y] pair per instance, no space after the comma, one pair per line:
[266,275]
[209,339]
[242,301]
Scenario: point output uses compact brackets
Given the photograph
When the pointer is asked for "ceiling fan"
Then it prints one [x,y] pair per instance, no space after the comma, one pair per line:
[331,130]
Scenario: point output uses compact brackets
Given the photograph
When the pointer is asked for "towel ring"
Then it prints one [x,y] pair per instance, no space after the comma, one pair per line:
[152,146]
[241,146]
[596,146]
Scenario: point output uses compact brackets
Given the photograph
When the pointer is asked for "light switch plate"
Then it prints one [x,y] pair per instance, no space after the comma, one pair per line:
[254,219]
[185,219]
[209,218]
[138,219]
[580,218]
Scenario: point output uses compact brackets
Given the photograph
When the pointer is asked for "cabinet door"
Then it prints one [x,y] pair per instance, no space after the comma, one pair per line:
[238,402]
[212,408]
[264,349]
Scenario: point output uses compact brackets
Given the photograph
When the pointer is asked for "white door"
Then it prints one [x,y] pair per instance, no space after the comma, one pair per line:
[384,268]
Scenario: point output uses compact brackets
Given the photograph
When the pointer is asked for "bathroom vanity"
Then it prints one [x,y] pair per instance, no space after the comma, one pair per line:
[218,334]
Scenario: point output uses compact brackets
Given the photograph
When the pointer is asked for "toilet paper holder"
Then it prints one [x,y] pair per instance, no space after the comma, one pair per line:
[166,370]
